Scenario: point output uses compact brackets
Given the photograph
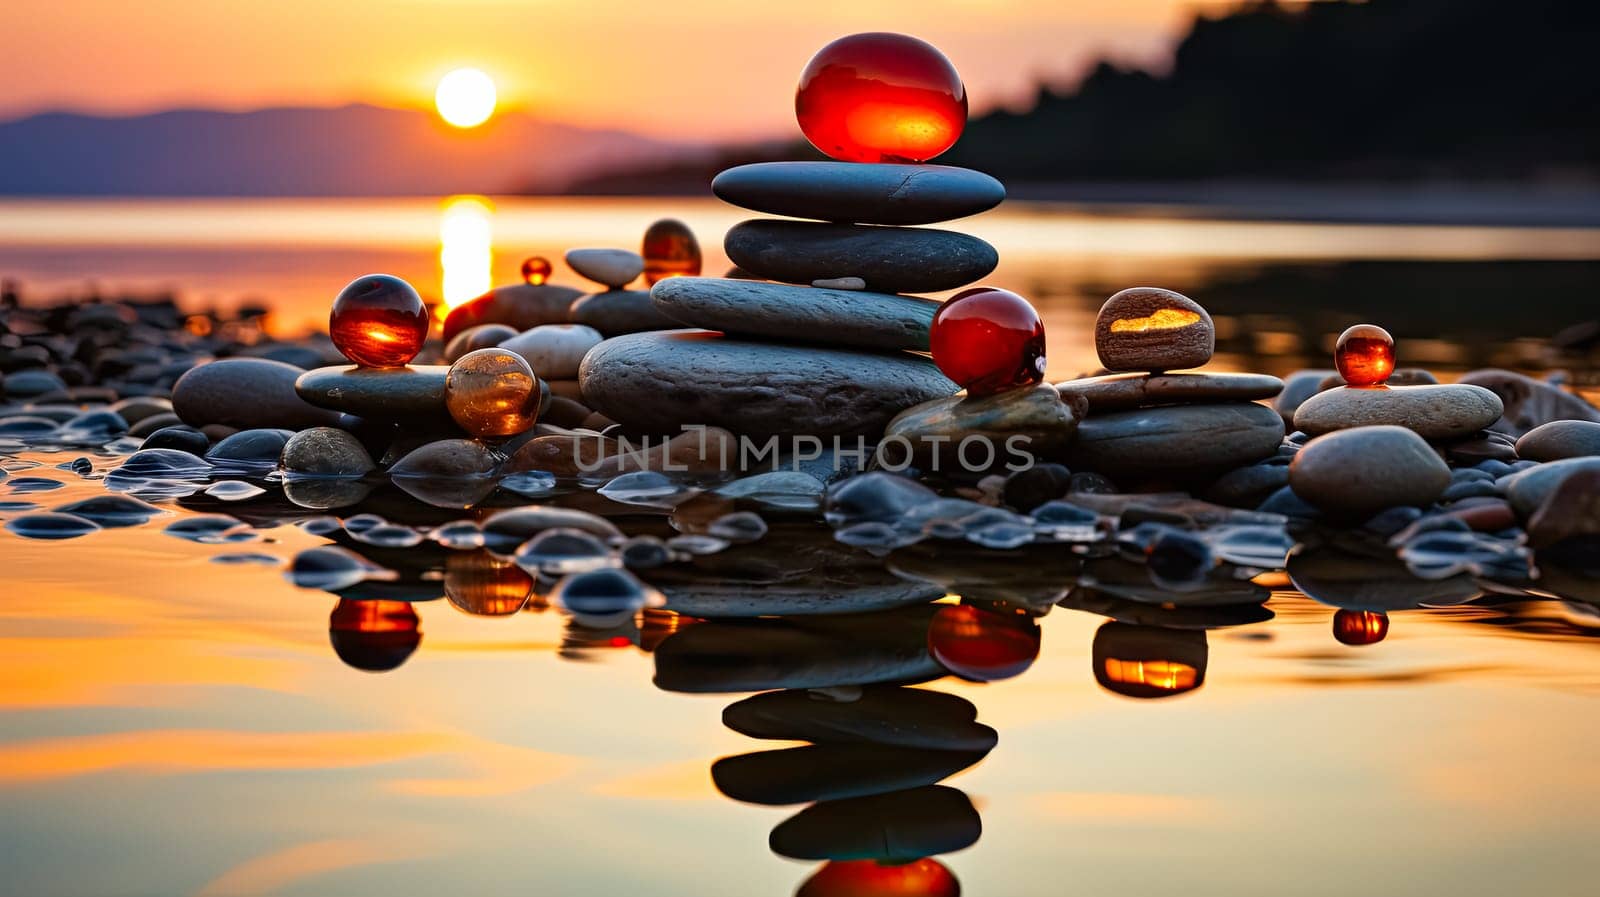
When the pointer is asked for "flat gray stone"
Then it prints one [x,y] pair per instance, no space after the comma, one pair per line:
[615,312]
[880,714]
[519,306]
[1527,489]
[861,193]
[1360,471]
[1560,439]
[1177,440]
[1117,392]
[888,259]
[658,382]
[794,313]
[247,393]
[1528,402]
[1438,411]
[410,393]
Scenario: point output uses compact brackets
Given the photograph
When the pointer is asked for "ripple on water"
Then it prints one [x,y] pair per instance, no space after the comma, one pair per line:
[461,535]
[51,525]
[23,485]
[112,511]
[211,529]
[389,535]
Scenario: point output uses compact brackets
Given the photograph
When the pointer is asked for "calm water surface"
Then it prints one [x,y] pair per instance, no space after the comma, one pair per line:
[170,724]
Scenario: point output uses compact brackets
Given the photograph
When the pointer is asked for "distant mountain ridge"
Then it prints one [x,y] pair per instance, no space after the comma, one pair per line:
[355,150]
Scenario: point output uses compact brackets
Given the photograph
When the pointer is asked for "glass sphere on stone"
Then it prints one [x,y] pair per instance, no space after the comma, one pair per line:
[492,393]
[536,270]
[881,97]
[378,321]
[988,340]
[670,250]
[982,645]
[1364,355]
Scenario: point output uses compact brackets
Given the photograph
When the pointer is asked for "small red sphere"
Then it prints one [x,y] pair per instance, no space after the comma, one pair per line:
[1365,355]
[980,644]
[926,877]
[536,269]
[1360,627]
[988,341]
[881,97]
[670,250]
[378,321]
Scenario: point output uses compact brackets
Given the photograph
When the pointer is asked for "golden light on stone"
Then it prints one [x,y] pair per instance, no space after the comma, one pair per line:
[492,392]
[1160,319]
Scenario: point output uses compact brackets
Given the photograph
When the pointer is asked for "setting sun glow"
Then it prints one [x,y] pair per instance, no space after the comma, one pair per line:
[465,98]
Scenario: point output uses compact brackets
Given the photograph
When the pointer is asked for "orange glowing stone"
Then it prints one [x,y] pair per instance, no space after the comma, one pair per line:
[670,250]
[1365,355]
[869,878]
[378,321]
[988,341]
[374,635]
[982,645]
[1360,627]
[492,392]
[536,270]
[881,97]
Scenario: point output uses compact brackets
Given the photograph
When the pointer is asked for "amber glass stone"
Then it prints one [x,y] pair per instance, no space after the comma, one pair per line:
[670,250]
[926,877]
[1360,627]
[881,97]
[374,635]
[988,341]
[1365,355]
[492,392]
[982,645]
[536,270]
[378,321]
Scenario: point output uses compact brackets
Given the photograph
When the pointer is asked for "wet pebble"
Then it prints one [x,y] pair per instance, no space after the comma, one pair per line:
[601,598]
[1066,522]
[647,488]
[246,559]
[332,568]
[24,485]
[234,490]
[249,451]
[461,535]
[559,551]
[531,483]
[738,527]
[693,544]
[1027,489]
[112,511]
[325,452]
[389,535]
[508,529]
[778,490]
[644,553]
[179,438]
[1560,439]
[874,497]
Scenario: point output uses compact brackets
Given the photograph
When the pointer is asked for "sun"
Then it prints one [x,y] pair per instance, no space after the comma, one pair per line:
[465,98]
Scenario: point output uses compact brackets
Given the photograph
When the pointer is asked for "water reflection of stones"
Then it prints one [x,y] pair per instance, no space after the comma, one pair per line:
[1366,575]
[375,636]
[797,569]
[479,583]
[1149,661]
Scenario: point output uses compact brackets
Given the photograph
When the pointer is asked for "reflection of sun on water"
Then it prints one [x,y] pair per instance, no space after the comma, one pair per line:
[466,248]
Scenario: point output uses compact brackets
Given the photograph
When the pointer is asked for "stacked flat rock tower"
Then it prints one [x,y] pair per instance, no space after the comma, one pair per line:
[823,345]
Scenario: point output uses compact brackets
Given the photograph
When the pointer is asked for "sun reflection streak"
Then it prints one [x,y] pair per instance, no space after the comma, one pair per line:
[466,248]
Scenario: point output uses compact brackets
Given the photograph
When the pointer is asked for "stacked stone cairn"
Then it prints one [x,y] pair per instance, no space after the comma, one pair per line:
[816,335]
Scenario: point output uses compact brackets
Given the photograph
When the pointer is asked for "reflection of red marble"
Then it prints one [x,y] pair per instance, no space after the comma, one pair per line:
[378,321]
[1365,355]
[988,341]
[1360,627]
[869,878]
[374,635]
[982,645]
[478,583]
[670,250]
[881,97]
[535,270]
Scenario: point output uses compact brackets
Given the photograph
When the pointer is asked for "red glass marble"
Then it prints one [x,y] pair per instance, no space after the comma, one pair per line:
[1365,355]
[670,250]
[1360,627]
[881,97]
[536,270]
[988,341]
[378,321]
[869,878]
[492,393]
[374,635]
[982,645]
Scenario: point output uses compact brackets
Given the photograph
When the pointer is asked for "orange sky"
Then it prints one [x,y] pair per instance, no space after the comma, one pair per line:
[723,68]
